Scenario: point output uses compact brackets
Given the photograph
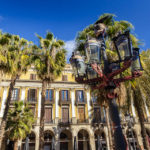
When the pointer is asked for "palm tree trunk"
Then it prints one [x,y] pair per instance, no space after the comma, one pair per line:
[15,145]
[119,139]
[109,129]
[139,109]
[41,139]
[4,118]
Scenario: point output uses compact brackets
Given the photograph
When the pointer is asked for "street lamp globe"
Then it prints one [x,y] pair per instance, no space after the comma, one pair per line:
[92,50]
[123,46]
[136,62]
[78,64]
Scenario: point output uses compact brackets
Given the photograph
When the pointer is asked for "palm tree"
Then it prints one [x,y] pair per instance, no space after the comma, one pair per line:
[14,60]
[139,90]
[19,122]
[49,62]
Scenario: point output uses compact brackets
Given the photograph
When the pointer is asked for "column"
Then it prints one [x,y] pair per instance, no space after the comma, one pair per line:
[73,106]
[92,142]
[57,143]
[3,102]
[37,139]
[39,105]
[88,103]
[56,105]
[23,93]
[107,138]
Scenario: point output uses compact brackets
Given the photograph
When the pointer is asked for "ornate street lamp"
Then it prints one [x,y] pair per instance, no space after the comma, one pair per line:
[123,46]
[98,72]
[136,63]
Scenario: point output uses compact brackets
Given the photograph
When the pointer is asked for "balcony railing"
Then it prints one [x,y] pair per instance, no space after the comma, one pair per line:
[64,102]
[48,121]
[97,121]
[80,102]
[83,121]
[49,101]
[64,122]
[32,100]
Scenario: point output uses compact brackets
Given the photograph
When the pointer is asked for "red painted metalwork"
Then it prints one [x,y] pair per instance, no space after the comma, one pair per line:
[104,81]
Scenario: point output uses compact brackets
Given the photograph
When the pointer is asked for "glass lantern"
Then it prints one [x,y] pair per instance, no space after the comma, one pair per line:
[78,64]
[123,46]
[136,62]
[92,48]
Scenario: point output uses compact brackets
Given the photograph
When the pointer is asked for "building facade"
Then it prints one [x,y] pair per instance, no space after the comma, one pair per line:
[72,115]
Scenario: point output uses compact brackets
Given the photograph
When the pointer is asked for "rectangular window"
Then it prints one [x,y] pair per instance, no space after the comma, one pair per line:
[65,115]
[64,94]
[48,115]
[32,93]
[81,114]
[80,95]
[49,94]
[32,76]
[15,94]
[64,78]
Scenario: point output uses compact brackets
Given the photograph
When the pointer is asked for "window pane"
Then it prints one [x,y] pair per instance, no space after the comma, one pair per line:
[80,96]
[46,94]
[15,94]
[64,94]
[50,94]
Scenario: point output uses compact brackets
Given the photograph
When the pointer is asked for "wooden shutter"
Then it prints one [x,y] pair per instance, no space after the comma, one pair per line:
[52,94]
[18,95]
[69,98]
[48,115]
[60,95]
[31,76]
[84,94]
[36,95]
[81,114]
[76,96]
[28,94]
[65,114]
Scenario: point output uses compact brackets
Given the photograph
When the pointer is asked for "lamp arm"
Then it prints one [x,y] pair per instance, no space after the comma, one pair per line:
[135,74]
[126,65]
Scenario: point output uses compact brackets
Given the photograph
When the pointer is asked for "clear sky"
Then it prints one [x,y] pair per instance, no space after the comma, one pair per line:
[66,17]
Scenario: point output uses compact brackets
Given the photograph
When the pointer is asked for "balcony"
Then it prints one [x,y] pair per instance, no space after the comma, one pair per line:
[49,101]
[49,121]
[32,100]
[64,123]
[81,102]
[64,102]
[83,121]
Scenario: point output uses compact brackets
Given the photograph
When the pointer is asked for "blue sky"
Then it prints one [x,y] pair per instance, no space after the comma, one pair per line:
[66,17]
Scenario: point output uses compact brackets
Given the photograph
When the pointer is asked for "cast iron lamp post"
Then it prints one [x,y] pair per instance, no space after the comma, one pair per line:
[98,72]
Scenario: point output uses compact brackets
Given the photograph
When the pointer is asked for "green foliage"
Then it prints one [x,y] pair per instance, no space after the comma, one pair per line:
[19,122]
[49,57]
[113,28]
[14,57]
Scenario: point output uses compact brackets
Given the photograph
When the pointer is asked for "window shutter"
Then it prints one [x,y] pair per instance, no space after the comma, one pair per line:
[36,95]
[52,94]
[31,76]
[76,95]
[18,95]
[69,98]
[28,95]
[60,95]
[84,94]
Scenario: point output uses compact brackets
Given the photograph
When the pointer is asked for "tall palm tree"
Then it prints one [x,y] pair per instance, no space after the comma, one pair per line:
[19,122]
[139,90]
[49,62]
[14,60]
